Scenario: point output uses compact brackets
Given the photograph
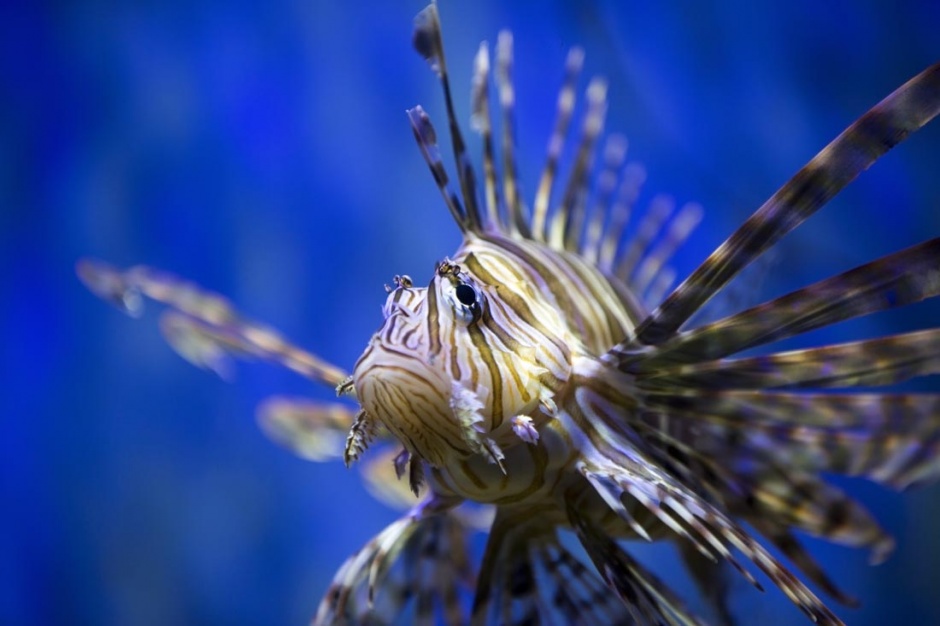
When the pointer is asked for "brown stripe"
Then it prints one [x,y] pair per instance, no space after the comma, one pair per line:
[434,330]
[496,379]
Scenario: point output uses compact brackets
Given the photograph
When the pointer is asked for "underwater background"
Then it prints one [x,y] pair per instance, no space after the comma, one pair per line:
[262,150]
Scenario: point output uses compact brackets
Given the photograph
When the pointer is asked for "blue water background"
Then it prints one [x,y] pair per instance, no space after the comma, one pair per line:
[262,150]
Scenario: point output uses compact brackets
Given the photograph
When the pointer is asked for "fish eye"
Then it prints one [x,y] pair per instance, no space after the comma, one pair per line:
[466,295]
[463,296]
[467,302]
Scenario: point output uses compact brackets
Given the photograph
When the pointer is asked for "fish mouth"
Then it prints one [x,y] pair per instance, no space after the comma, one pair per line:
[412,400]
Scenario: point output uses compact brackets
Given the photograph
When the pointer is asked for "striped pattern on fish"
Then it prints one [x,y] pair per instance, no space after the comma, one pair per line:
[532,376]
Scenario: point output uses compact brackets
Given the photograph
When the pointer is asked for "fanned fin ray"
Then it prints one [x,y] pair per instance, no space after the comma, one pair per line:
[518,221]
[203,327]
[481,120]
[556,143]
[316,431]
[630,474]
[647,599]
[430,545]
[755,487]
[632,179]
[426,137]
[529,577]
[652,263]
[615,152]
[568,220]
[870,362]
[898,279]
[429,44]
[893,439]
[888,123]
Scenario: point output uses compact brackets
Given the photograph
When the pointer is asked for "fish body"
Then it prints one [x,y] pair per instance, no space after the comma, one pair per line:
[541,375]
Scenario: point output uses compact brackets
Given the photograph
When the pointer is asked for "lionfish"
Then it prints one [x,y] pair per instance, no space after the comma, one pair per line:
[531,392]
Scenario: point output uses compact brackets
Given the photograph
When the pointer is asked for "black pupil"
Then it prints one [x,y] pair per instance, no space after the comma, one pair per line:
[466,295]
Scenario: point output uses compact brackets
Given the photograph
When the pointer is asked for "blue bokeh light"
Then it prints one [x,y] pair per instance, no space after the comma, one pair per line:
[262,150]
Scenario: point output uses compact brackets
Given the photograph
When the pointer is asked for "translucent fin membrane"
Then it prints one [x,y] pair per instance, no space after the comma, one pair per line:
[312,430]
[562,223]
[898,279]
[647,599]
[420,559]
[202,327]
[907,109]
[529,577]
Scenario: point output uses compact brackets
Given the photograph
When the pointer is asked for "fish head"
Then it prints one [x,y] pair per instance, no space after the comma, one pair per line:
[453,367]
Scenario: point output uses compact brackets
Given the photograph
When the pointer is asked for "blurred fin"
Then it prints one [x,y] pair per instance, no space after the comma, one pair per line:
[895,280]
[870,362]
[421,557]
[315,431]
[202,326]
[868,138]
